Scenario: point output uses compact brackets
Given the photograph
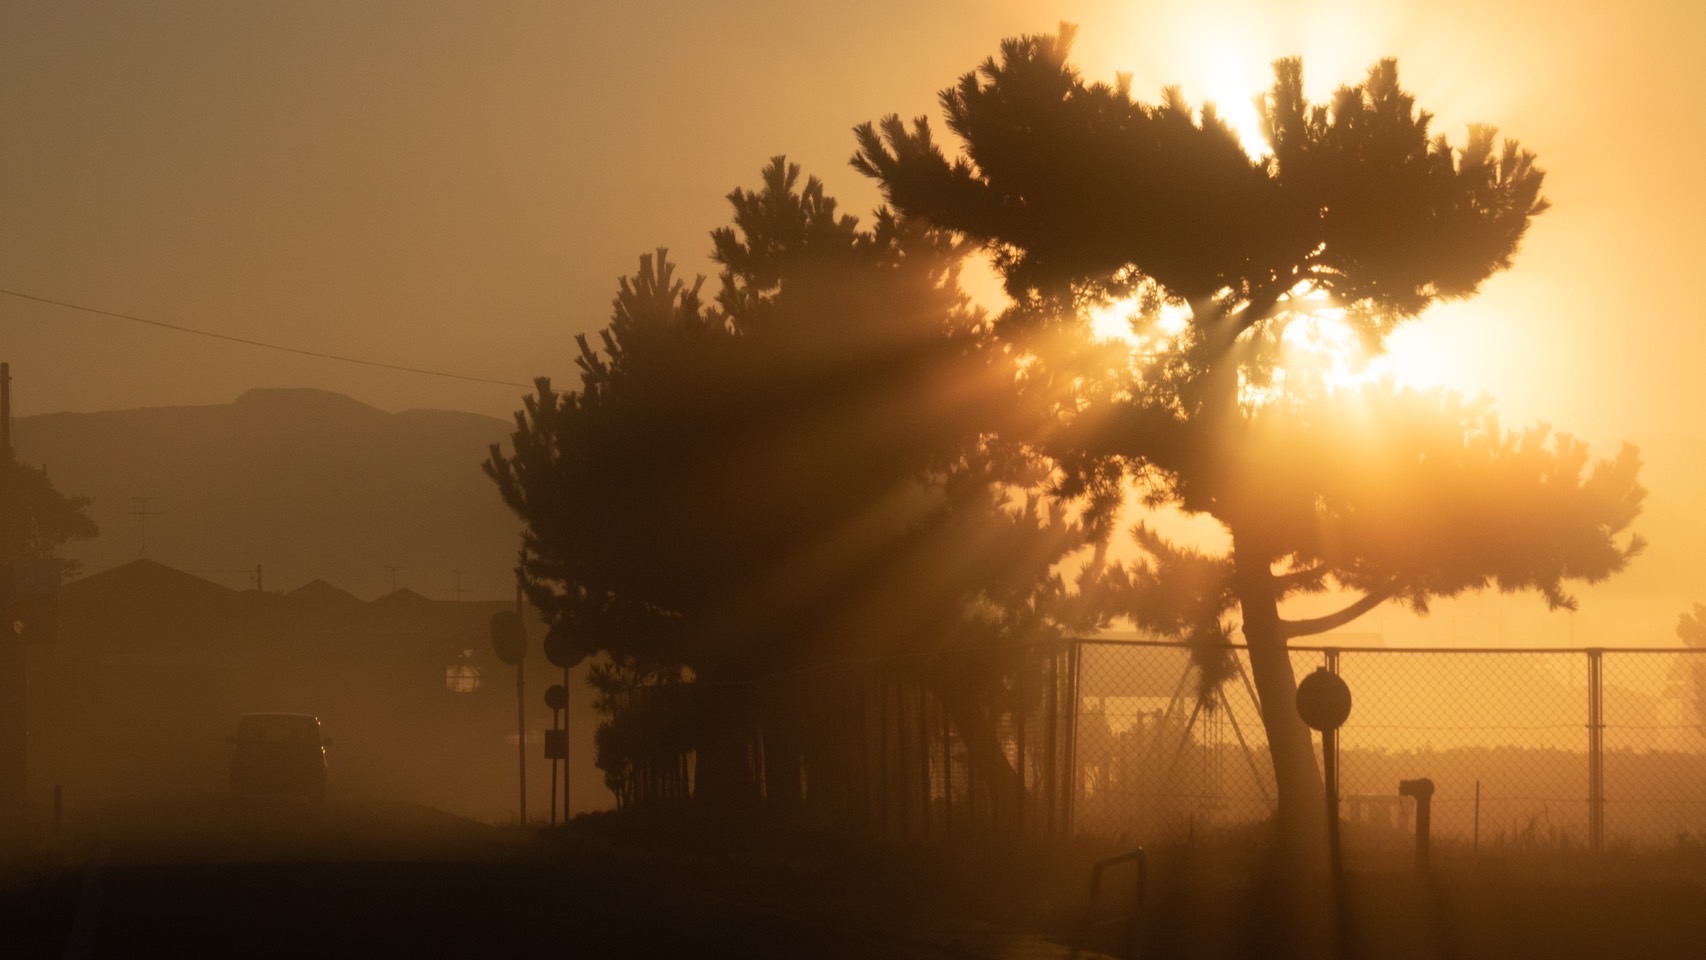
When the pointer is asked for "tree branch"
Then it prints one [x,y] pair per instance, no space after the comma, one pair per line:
[1299,578]
[1304,628]
[1256,309]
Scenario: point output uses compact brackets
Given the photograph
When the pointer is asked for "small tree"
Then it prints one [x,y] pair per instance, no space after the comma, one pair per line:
[37,519]
[1085,196]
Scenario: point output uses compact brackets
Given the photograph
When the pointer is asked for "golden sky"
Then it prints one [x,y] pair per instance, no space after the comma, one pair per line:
[457,185]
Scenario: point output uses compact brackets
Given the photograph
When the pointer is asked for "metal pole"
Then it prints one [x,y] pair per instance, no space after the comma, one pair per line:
[14,698]
[1330,760]
[565,746]
[1596,751]
[947,772]
[1069,798]
[1019,711]
[554,775]
[1333,668]
[6,411]
[566,752]
[1422,791]
[924,757]
[883,754]
[520,718]
[1051,777]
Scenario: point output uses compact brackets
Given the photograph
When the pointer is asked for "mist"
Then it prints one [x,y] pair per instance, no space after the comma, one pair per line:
[1179,482]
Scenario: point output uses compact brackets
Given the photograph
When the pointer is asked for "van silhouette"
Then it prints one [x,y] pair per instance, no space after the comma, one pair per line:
[278,754]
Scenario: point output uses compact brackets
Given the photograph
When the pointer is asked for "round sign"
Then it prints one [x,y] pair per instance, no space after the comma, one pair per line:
[556,696]
[561,649]
[1323,700]
[509,636]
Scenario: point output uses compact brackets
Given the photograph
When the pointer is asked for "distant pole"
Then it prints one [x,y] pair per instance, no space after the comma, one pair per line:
[1477,848]
[521,715]
[554,780]
[1422,791]
[1596,750]
[6,412]
[139,510]
[14,703]
[565,746]
[393,568]
[260,584]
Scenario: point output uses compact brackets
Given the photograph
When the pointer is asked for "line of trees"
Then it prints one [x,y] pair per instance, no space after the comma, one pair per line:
[841,456]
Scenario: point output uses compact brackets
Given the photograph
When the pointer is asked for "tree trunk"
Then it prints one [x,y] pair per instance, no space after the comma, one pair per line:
[989,761]
[1301,808]
[724,780]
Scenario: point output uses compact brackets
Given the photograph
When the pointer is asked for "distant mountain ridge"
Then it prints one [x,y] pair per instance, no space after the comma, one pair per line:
[307,484]
[313,485]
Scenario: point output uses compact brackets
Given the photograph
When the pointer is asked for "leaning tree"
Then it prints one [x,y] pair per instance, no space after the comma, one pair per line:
[1084,196]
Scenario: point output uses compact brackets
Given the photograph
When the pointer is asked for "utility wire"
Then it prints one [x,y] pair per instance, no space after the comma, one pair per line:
[257,343]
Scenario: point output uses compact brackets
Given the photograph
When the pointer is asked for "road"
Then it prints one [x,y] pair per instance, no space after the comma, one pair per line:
[331,880]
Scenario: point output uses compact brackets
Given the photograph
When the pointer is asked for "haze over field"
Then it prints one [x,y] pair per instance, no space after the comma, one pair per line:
[878,467]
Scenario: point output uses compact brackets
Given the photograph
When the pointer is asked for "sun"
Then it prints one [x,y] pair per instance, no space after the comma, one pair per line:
[1124,320]
[1318,345]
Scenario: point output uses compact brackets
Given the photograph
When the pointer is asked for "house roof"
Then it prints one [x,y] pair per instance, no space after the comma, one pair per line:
[150,579]
[319,593]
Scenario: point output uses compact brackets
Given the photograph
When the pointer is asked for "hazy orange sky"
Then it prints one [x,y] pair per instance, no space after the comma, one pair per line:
[456,186]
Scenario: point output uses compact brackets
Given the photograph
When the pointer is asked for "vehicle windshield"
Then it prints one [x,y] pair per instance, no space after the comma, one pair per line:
[278,729]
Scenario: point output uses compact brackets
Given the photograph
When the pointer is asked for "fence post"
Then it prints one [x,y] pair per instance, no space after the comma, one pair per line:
[926,788]
[1022,688]
[1596,750]
[883,754]
[1051,776]
[947,771]
[1069,798]
[866,753]
[1333,668]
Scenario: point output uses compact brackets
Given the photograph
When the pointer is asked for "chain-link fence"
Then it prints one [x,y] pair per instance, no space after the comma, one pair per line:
[915,747]
[1529,749]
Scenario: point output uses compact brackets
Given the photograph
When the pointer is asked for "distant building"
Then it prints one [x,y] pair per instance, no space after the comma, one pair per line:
[153,667]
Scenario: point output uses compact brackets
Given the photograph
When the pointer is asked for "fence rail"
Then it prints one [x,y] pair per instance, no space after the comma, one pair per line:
[1528,748]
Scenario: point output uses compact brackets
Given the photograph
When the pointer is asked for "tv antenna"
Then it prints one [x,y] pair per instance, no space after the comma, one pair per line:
[139,510]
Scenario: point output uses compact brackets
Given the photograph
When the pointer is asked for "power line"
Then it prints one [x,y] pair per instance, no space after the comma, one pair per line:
[257,343]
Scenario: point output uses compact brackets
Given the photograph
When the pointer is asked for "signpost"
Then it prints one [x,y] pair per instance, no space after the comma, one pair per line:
[1324,703]
[557,747]
[562,651]
[509,641]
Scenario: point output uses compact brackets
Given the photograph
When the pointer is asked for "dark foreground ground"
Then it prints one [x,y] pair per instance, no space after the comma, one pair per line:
[337,880]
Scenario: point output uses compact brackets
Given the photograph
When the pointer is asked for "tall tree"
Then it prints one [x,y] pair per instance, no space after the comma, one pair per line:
[797,472]
[1085,196]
